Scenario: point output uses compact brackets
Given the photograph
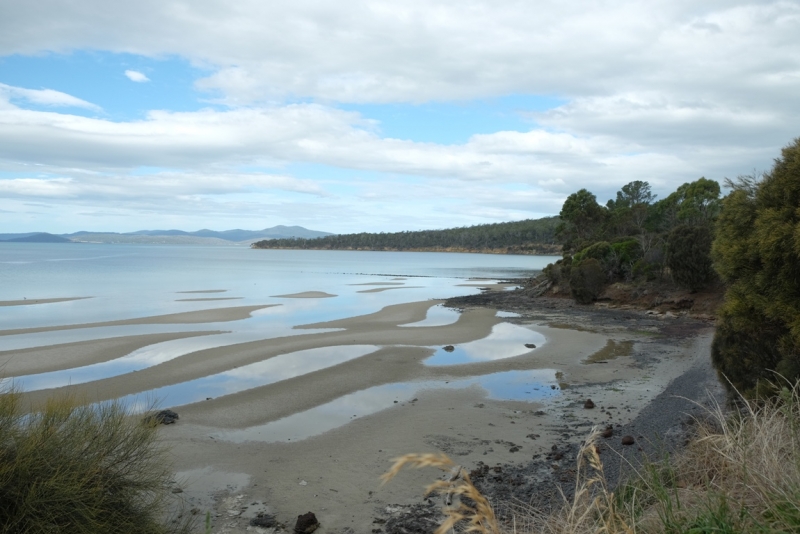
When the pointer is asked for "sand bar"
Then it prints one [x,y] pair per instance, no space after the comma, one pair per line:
[379,284]
[306,295]
[208,299]
[382,289]
[381,328]
[28,302]
[68,355]
[213,315]
[204,291]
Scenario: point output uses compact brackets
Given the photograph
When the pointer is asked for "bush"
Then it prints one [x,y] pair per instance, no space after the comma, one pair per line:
[81,469]
[558,272]
[586,281]
[757,252]
[689,256]
[598,251]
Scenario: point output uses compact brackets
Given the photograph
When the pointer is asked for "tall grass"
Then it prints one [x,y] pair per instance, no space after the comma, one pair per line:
[81,469]
[739,474]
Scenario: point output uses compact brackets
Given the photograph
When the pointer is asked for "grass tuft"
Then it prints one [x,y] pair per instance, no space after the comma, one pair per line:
[83,469]
[476,518]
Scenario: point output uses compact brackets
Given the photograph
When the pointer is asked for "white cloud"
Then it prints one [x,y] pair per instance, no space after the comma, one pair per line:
[665,91]
[420,50]
[43,97]
[136,76]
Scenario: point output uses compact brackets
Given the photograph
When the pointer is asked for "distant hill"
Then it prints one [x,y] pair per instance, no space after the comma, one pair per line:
[521,237]
[40,237]
[236,236]
[168,237]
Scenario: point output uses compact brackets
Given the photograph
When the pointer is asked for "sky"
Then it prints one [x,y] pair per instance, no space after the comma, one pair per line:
[371,115]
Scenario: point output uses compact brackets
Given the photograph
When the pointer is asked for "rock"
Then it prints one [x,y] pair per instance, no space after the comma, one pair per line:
[164,417]
[448,348]
[588,404]
[608,432]
[306,523]
[530,346]
[263,520]
[628,440]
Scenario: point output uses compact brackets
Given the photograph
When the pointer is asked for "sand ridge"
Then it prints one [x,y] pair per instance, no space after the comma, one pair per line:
[29,302]
[69,355]
[212,315]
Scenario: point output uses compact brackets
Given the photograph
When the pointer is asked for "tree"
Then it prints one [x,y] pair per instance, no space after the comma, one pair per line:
[629,212]
[689,256]
[582,219]
[694,203]
[757,252]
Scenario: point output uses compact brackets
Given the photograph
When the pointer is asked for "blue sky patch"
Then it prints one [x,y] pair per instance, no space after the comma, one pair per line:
[99,78]
[455,122]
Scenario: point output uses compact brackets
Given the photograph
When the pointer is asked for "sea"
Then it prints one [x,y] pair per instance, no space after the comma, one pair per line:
[125,281]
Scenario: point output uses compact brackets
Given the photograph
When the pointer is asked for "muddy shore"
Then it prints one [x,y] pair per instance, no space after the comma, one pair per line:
[643,372]
[660,429]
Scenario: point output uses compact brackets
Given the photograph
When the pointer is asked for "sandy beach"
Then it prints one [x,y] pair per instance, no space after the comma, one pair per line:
[318,441]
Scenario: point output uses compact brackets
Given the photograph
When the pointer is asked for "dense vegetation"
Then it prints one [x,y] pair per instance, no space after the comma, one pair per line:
[81,469]
[522,237]
[635,236]
[757,253]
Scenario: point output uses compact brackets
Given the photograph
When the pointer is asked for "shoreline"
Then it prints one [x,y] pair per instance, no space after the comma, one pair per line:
[628,362]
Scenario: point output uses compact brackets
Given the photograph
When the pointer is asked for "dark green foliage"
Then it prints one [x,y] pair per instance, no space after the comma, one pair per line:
[689,256]
[81,469]
[582,220]
[598,251]
[757,252]
[695,203]
[517,237]
[558,272]
[587,280]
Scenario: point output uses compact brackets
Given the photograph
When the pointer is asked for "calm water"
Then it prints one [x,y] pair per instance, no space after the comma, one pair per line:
[129,281]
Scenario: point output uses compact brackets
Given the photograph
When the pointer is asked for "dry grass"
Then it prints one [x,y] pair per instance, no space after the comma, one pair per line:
[478,518]
[740,474]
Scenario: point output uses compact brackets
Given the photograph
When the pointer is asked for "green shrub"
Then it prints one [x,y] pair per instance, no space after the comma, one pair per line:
[757,253]
[598,251]
[558,272]
[81,469]
[587,280]
[689,256]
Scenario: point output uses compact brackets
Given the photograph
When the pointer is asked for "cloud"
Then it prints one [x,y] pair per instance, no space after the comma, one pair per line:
[136,76]
[664,91]
[594,145]
[422,50]
[42,97]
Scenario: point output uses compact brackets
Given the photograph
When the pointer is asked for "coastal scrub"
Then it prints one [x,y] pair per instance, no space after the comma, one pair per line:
[81,469]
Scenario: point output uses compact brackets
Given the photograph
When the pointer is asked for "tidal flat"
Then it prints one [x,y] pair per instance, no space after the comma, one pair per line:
[298,397]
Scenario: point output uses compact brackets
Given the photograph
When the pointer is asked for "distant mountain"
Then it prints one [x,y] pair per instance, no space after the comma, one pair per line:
[276,232]
[236,236]
[40,237]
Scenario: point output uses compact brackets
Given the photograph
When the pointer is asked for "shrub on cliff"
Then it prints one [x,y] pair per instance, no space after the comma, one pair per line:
[586,281]
[81,469]
[757,252]
[689,256]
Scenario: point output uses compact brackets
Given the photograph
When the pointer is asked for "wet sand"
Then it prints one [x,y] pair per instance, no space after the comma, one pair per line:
[29,302]
[335,473]
[306,295]
[215,315]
